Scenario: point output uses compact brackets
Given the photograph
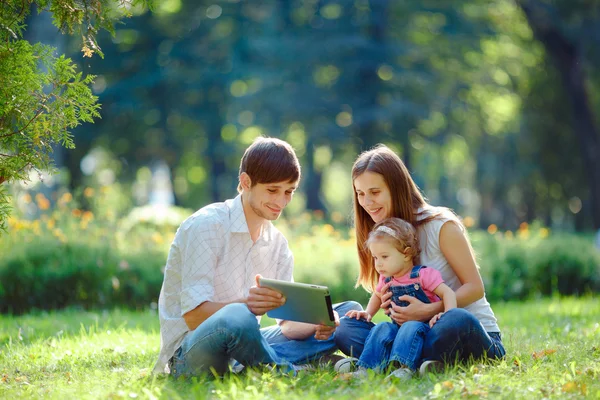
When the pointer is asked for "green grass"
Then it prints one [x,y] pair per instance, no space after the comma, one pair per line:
[76,354]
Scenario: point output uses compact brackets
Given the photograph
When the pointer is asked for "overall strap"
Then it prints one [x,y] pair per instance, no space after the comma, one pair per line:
[415,271]
[388,279]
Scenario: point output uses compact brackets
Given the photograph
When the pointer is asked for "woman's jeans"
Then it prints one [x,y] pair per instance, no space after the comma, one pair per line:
[457,336]
[388,342]
[233,333]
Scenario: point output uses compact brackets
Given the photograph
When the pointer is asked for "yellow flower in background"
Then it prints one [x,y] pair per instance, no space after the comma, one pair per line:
[157,238]
[337,217]
[51,223]
[76,213]
[492,229]
[26,198]
[468,222]
[12,222]
[35,226]
[544,232]
[328,229]
[508,235]
[87,216]
[88,192]
[66,198]
[42,202]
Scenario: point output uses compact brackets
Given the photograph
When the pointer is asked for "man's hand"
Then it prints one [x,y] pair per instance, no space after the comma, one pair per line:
[359,314]
[262,300]
[324,332]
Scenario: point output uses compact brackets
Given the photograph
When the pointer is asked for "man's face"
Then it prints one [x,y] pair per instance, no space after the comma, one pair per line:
[267,200]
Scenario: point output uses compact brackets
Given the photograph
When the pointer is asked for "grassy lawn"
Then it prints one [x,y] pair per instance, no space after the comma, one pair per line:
[553,352]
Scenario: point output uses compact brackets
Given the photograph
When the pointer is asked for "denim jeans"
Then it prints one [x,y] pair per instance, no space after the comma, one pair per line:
[233,333]
[389,342]
[457,336]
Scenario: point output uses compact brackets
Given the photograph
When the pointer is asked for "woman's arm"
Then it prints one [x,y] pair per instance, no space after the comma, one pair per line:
[457,251]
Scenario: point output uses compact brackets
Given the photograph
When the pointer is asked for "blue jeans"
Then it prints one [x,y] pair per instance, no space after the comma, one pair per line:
[233,333]
[388,342]
[459,336]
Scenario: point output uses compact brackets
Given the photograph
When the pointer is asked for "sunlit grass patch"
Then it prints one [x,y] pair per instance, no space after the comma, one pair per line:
[553,350]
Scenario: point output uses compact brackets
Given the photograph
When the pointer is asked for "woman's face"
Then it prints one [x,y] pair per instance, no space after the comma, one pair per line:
[373,195]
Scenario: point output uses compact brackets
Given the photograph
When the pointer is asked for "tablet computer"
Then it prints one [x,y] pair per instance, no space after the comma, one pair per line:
[304,302]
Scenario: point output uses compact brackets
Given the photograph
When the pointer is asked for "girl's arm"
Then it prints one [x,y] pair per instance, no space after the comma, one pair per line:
[447,295]
[371,310]
[374,304]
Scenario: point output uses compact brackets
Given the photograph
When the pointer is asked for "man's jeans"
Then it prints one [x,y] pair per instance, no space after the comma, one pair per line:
[457,336]
[389,342]
[234,333]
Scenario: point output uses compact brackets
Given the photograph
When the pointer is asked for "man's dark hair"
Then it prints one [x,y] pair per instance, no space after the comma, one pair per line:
[270,160]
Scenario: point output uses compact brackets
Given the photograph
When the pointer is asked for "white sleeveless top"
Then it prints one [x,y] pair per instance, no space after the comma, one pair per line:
[432,257]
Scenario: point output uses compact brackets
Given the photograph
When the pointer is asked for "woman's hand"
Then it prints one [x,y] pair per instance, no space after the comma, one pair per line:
[386,297]
[359,314]
[416,310]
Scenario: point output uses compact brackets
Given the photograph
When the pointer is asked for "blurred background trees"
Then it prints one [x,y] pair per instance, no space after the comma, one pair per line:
[492,104]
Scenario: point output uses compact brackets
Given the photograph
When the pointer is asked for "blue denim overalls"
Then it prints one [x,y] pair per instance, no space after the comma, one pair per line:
[413,289]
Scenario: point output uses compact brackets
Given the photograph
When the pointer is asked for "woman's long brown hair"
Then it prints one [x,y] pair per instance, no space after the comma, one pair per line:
[406,200]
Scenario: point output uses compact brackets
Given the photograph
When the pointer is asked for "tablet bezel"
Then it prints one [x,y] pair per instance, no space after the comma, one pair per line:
[304,302]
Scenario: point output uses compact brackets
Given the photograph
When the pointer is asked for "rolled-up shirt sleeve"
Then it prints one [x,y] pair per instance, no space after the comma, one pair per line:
[197,271]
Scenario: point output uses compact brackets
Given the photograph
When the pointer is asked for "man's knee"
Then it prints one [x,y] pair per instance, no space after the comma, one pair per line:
[343,308]
[235,317]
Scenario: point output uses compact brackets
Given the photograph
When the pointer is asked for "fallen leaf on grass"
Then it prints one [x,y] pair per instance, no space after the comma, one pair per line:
[541,354]
[448,385]
[574,387]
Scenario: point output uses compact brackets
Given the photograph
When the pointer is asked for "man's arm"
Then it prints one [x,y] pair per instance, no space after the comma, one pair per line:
[259,301]
[198,315]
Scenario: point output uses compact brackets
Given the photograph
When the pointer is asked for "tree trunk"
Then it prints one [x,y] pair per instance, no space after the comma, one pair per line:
[569,63]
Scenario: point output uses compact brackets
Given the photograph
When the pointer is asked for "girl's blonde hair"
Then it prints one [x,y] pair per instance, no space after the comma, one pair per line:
[402,234]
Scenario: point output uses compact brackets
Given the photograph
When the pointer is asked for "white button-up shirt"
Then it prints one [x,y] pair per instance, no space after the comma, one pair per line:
[213,258]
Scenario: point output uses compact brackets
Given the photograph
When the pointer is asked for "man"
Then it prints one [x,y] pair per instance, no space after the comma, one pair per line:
[210,298]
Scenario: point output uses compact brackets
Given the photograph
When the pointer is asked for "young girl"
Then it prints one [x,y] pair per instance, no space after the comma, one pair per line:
[394,246]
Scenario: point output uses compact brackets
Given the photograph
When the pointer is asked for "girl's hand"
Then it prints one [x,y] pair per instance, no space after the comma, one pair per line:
[359,314]
[416,310]
[435,319]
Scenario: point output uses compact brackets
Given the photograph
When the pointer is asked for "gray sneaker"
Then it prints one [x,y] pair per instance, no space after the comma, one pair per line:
[360,373]
[403,374]
[431,367]
[346,365]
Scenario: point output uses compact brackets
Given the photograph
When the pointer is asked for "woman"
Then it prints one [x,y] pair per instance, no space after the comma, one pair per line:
[384,188]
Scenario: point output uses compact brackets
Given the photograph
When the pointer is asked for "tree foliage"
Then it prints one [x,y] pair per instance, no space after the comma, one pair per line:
[42,96]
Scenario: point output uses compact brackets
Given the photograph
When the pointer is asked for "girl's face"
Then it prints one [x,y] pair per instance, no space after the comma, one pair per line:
[388,260]
[373,195]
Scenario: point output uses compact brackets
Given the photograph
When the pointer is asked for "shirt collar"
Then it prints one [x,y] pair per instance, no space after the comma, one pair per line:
[240,225]
[237,218]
